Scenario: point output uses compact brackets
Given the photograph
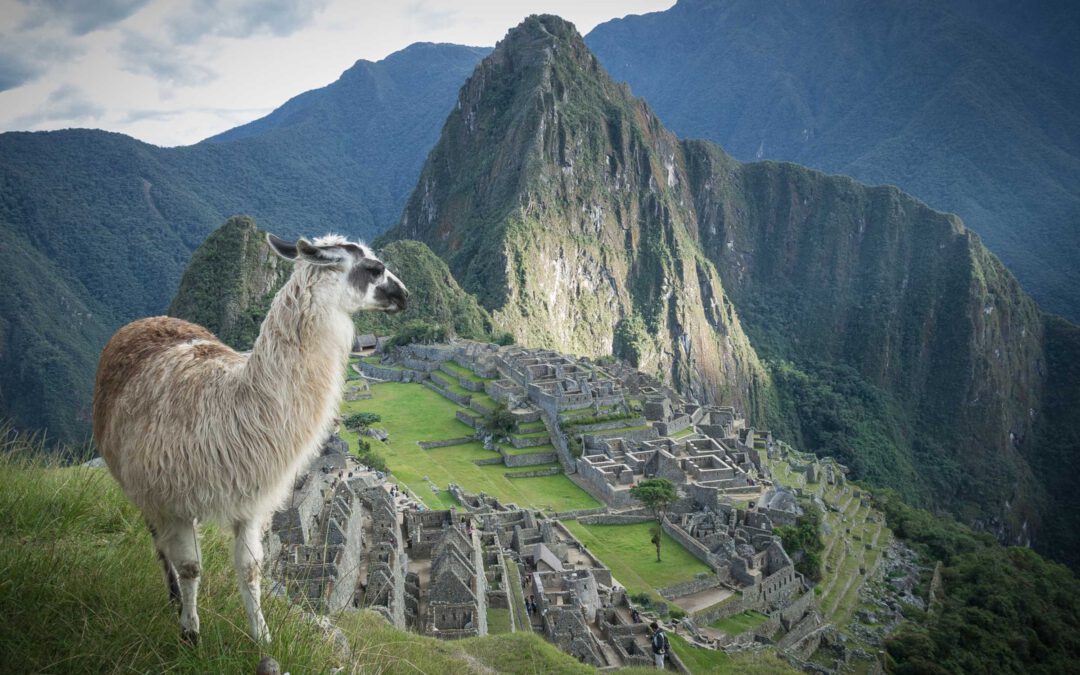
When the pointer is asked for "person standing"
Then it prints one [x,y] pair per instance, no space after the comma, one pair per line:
[660,644]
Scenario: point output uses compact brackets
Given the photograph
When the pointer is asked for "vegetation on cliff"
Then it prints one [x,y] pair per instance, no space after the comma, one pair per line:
[552,197]
[229,283]
[969,105]
[997,609]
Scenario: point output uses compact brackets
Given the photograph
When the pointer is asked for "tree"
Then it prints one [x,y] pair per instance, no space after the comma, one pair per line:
[500,422]
[657,494]
[359,421]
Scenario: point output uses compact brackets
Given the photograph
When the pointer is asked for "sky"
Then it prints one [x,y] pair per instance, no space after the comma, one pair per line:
[173,73]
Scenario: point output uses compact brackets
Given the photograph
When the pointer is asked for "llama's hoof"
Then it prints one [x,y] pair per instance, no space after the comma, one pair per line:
[189,637]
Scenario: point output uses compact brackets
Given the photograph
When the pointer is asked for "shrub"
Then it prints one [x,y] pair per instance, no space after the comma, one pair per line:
[418,331]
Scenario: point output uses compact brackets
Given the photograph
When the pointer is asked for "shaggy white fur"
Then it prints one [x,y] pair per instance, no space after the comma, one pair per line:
[195,431]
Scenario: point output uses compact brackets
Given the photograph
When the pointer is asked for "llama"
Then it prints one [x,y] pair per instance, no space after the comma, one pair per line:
[194,431]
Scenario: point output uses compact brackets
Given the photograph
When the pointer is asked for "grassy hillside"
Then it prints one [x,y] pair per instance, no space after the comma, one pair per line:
[82,592]
[970,106]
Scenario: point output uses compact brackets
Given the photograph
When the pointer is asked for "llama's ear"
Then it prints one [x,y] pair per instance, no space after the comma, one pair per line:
[319,255]
[283,248]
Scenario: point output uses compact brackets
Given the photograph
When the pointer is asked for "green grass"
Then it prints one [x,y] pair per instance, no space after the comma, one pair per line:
[462,371]
[699,660]
[528,427]
[498,620]
[740,623]
[627,550]
[81,591]
[532,433]
[398,405]
[531,450]
[516,595]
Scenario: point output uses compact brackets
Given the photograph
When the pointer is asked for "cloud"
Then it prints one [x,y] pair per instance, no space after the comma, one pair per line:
[243,18]
[428,16]
[141,55]
[79,16]
[16,69]
[67,103]
[24,58]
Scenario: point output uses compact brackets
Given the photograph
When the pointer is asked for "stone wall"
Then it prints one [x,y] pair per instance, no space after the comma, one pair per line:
[520,442]
[594,481]
[701,582]
[550,471]
[428,445]
[615,519]
[531,459]
[456,398]
[693,545]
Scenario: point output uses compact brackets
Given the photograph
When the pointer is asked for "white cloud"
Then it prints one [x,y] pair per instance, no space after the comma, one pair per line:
[68,105]
[242,19]
[172,72]
[164,62]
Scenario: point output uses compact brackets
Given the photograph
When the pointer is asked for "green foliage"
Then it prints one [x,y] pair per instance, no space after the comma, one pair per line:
[657,494]
[434,296]
[803,542]
[229,283]
[418,332]
[676,613]
[500,422]
[1004,610]
[643,599]
[360,420]
[369,457]
[503,339]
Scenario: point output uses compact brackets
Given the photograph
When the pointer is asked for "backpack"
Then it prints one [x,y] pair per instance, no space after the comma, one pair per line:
[660,642]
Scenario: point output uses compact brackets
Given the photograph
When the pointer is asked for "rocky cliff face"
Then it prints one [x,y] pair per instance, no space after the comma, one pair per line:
[554,197]
[826,269]
[892,337]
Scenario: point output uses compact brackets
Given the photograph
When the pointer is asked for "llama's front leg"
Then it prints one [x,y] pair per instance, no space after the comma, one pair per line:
[247,555]
[180,542]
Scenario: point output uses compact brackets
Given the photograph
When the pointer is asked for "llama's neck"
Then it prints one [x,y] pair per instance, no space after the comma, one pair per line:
[296,368]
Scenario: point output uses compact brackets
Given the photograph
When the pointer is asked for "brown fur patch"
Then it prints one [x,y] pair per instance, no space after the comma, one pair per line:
[132,347]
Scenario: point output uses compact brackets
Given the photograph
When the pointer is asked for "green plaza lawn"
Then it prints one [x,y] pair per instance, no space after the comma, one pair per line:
[628,551]
[411,413]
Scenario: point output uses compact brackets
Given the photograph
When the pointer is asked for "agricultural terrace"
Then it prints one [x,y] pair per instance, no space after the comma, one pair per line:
[412,413]
[627,550]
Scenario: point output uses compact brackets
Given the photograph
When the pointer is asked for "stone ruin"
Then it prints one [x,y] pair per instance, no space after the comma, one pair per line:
[439,572]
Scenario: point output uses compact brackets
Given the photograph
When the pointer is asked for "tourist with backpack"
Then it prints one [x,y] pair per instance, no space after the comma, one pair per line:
[660,644]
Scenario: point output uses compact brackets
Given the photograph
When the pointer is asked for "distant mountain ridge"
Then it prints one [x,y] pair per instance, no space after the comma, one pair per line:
[107,223]
[973,107]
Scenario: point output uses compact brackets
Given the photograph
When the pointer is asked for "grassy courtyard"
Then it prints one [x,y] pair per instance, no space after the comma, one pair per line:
[628,551]
[411,413]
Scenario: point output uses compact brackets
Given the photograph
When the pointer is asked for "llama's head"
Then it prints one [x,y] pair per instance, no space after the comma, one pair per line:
[357,280]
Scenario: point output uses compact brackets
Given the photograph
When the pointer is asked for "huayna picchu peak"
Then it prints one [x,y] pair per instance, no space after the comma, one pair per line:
[880,331]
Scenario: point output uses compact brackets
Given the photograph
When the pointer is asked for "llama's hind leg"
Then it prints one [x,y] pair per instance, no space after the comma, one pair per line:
[180,542]
[171,580]
[247,555]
